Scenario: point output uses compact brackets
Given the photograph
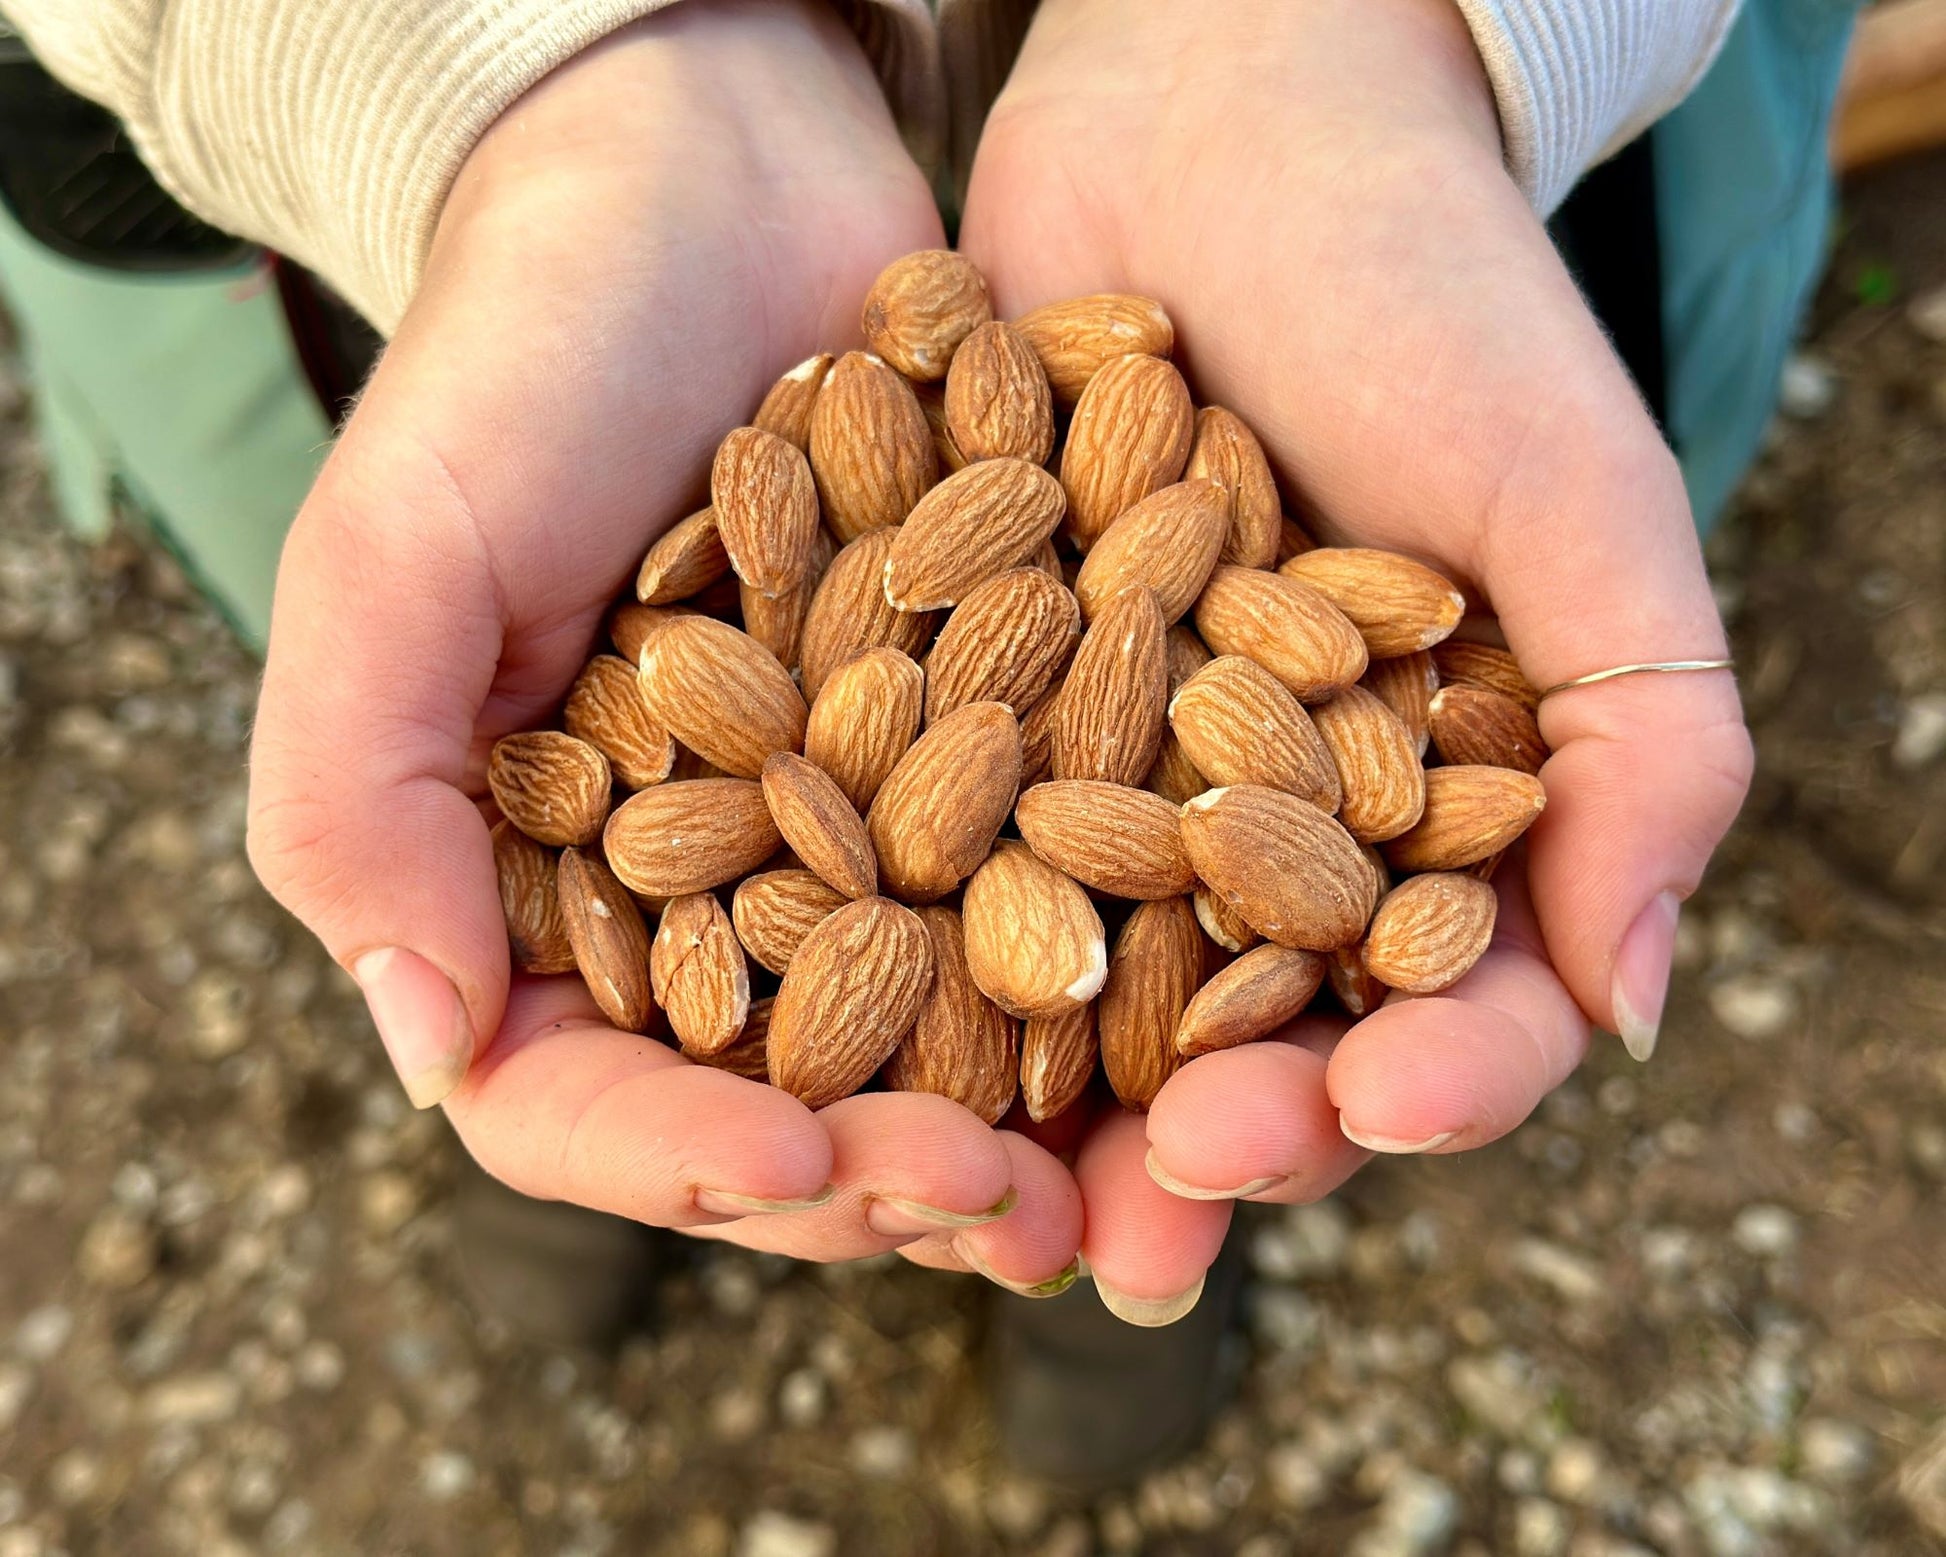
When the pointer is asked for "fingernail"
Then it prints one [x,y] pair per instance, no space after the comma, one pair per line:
[1054,1286]
[1394,1145]
[1641,983]
[723,1202]
[1150,1313]
[891,1217]
[421,1020]
[1177,1187]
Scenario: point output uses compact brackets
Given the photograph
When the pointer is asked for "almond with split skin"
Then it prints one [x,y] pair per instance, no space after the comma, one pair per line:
[1429,932]
[722,694]
[981,521]
[1225,451]
[816,819]
[1005,643]
[1250,999]
[1405,685]
[611,944]
[1168,541]
[537,934]
[786,409]
[864,719]
[1286,626]
[849,612]
[606,710]
[997,403]
[1240,725]
[1482,665]
[766,509]
[1470,812]
[697,973]
[1057,1060]
[1110,719]
[1384,786]
[938,812]
[1130,437]
[962,1046]
[921,307]
[777,621]
[1292,872]
[852,992]
[1076,339]
[746,1055]
[1121,841]
[871,449]
[775,910]
[685,561]
[1472,725]
[1226,928]
[551,786]
[690,835]
[1400,606]
[1157,965]
[1034,942]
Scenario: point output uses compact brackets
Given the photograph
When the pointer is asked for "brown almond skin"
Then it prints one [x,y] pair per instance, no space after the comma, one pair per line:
[1057,1061]
[551,786]
[849,612]
[1291,871]
[1173,775]
[1005,643]
[1293,540]
[1351,986]
[1473,725]
[1287,627]
[1168,541]
[1187,655]
[1125,842]
[932,400]
[1240,725]
[980,521]
[1399,606]
[1226,928]
[871,448]
[1406,686]
[689,836]
[775,910]
[1109,725]
[537,935]
[1470,812]
[766,509]
[630,626]
[865,717]
[1130,437]
[684,562]
[611,944]
[746,1055]
[722,694]
[1158,963]
[852,992]
[1250,999]
[1077,338]
[786,408]
[816,819]
[1034,942]
[938,812]
[606,710]
[1429,932]
[777,622]
[697,973]
[997,402]
[962,1046]
[1225,451]
[921,307]
[1482,665]
[1384,786]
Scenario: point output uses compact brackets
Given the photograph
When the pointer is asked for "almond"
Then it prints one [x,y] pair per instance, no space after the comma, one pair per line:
[1075,339]
[766,509]
[1482,665]
[1227,452]
[1225,927]
[1400,606]
[1429,932]
[871,450]
[852,991]
[697,973]
[1168,541]
[1471,725]
[921,307]
[1471,812]
[689,836]
[1384,786]
[997,402]
[777,621]
[1292,540]
[1406,685]
[1239,725]
[932,400]
[938,812]
[1110,721]
[611,946]
[962,1046]
[1172,775]
[1057,1061]
[1034,942]
[686,560]
[722,694]
[1037,737]
[864,719]
[978,522]
[775,910]
[849,612]
[1353,988]
[536,932]
[1004,643]
[631,625]
[1157,965]
[746,1055]
[551,786]
[1286,626]
[1125,842]
[606,710]
[816,819]
[1250,999]
[1187,655]
[786,409]
[1130,437]
[1291,871]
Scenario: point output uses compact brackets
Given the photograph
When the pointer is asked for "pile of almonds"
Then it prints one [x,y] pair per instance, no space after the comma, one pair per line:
[924,730]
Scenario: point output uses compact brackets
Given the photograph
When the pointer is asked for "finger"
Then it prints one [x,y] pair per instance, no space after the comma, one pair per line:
[1034,1255]
[1148,1250]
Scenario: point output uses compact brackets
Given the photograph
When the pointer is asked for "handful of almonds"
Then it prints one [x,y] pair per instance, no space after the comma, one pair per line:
[998,776]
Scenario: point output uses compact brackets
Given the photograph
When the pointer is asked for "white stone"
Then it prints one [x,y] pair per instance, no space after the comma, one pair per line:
[801,1398]
[1927,314]
[1754,1006]
[1835,1453]
[446,1474]
[1765,1231]
[1808,388]
[1296,1477]
[43,1332]
[1575,1471]
[1541,1528]
[193,1399]
[771,1534]
[884,1453]
[1573,1277]
[1921,737]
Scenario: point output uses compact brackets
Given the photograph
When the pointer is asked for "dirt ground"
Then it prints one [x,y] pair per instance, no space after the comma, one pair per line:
[1692,1308]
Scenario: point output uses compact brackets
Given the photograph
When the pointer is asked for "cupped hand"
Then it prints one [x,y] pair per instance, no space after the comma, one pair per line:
[1317,195]
[627,259]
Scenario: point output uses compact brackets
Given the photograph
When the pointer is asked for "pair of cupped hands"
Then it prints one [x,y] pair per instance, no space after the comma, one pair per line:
[643,242]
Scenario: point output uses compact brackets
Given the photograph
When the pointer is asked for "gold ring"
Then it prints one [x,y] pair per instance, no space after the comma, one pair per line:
[1661,667]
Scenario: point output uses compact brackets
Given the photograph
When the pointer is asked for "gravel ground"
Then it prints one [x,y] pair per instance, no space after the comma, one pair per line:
[1697,1308]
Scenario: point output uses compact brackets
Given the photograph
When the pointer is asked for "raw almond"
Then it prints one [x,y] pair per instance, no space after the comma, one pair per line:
[685,561]
[1172,775]
[536,932]
[748,1054]
[775,910]
[1355,989]
[1168,541]
[1429,932]
[1482,665]
[1251,998]
[1240,725]
[551,786]
[1406,685]
[921,307]
[1471,812]
[1400,606]
[631,625]
[978,522]
[786,409]
[1004,644]
[697,973]
[932,400]
[849,612]
[1037,737]
[852,991]
[938,812]
[1474,725]
[766,509]
[1187,655]
[871,450]
[1110,721]
[962,1045]
[1125,842]
[1293,540]
[777,621]
[1286,626]
[611,945]
[1291,871]
[1157,965]
[1384,785]
[816,819]
[997,401]
[606,710]
[722,694]
[1075,339]
[1057,1060]
[689,836]
[865,717]
[1226,928]
[1130,437]
[1034,942]
[1227,452]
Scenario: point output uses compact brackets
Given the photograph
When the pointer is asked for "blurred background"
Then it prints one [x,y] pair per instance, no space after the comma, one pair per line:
[1692,1308]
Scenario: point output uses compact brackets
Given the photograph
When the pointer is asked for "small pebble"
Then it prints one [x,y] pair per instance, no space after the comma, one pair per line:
[802,1397]
[446,1474]
[1921,736]
[884,1453]
[1765,1231]
[1808,388]
[1754,1006]
[1838,1454]
[117,1251]
[771,1534]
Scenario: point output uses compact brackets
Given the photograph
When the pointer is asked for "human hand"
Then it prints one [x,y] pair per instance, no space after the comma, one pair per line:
[1317,196]
[627,259]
